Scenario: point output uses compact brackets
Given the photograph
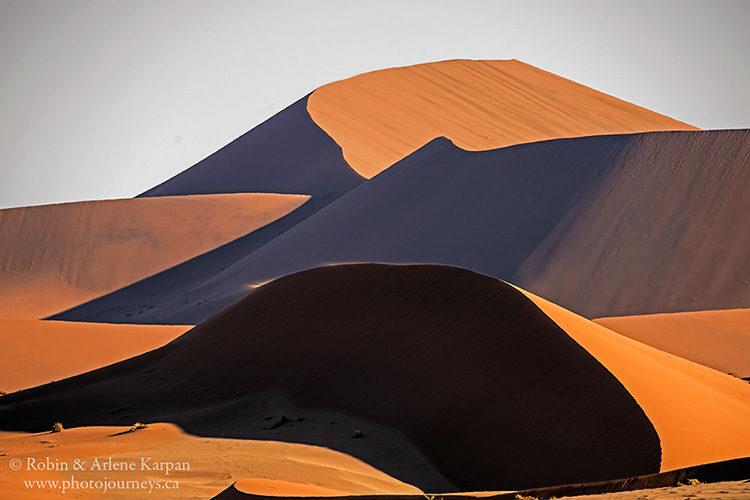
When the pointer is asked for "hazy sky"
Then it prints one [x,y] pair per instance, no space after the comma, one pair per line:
[104,99]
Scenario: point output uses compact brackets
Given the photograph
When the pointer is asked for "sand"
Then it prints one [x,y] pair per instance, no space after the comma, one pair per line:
[603,226]
[380,117]
[53,257]
[36,352]
[212,464]
[461,366]
[700,414]
[718,339]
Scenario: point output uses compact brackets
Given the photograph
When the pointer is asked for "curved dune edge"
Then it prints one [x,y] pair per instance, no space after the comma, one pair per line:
[53,257]
[214,463]
[389,350]
[380,117]
[700,414]
[36,352]
[717,339]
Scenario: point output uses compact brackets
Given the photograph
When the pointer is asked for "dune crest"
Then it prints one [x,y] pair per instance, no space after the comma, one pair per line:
[700,414]
[53,257]
[717,339]
[380,117]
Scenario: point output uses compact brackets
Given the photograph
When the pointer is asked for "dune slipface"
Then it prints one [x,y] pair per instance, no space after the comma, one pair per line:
[380,117]
[53,257]
[603,225]
[718,339]
[700,414]
[466,368]
[288,153]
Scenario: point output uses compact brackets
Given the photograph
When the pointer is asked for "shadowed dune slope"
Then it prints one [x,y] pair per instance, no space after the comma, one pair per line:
[36,352]
[604,225]
[485,385]
[288,153]
[718,339]
[700,414]
[53,257]
[213,464]
[382,116]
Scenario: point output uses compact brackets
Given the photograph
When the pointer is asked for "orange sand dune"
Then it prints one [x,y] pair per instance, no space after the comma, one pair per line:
[719,339]
[213,463]
[53,257]
[700,414]
[378,118]
[36,352]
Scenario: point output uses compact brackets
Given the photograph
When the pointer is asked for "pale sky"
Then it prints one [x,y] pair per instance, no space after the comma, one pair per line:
[104,99]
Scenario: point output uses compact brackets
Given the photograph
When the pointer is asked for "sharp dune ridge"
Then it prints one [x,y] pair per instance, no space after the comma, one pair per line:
[488,388]
[347,264]
[380,117]
[602,225]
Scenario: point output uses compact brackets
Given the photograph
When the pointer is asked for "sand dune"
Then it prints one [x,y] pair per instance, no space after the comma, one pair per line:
[604,225]
[288,153]
[700,414]
[489,390]
[53,257]
[380,117]
[36,352]
[213,464]
[718,339]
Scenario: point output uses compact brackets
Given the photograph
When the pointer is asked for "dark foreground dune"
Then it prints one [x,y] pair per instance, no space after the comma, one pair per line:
[455,380]
[604,225]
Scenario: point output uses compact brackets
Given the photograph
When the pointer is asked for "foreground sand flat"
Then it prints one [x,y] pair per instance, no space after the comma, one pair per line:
[214,464]
[719,339]
[36,352]
[53,257]
[378,118]
[700,414]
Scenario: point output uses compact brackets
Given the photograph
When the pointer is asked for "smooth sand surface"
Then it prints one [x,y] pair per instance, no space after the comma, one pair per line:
[53,257]
[36,352]
[718,339]
[213,464]
[700,414]
[378,118]
[493,394]
[604,226]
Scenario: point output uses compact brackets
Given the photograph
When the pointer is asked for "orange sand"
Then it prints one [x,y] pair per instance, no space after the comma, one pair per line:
[700,414]
[719,339]
[35,352]
[378,118]
[214,464]
[53,257]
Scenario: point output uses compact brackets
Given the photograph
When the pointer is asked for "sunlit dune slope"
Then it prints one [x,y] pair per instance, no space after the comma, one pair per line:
[212,464]
[53,257]
[700,414]
[604,226]
[36,352]
[718,339]
[380,117]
